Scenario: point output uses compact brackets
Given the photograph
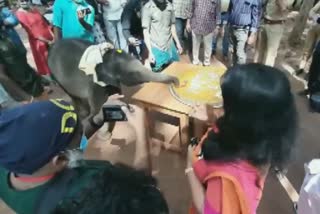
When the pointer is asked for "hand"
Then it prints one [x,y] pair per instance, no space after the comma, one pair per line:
[81,14]
[188,27]
[112,100]
[50,42]
[135,116]
[180,49]
[151,58]
[252,39]
[133,41]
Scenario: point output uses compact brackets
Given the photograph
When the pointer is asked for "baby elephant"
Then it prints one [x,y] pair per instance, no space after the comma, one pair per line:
[117,68]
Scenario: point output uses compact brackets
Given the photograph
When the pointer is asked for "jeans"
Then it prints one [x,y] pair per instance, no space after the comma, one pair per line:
[225,39]
[180,27]
[115,34]
[269,39]
[239,37]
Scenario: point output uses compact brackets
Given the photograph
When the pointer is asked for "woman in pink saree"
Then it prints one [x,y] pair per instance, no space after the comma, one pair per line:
[227,169]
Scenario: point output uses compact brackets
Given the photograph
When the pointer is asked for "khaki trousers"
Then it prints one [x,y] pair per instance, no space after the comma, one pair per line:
[207,44]
[269,39]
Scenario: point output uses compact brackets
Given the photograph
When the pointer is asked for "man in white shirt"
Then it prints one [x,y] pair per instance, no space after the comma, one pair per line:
[112,12]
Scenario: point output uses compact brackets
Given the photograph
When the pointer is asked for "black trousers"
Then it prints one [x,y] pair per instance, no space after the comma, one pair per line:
[314,73]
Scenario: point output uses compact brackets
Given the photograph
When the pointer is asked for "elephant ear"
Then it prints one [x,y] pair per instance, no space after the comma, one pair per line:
[107,75]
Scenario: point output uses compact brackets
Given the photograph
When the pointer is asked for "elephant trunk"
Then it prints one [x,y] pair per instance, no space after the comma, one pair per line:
[149,76]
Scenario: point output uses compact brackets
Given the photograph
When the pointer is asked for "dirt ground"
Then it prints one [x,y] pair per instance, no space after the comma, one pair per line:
[169,167]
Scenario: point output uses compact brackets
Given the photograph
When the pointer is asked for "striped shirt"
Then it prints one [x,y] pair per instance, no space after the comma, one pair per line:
[245,13]
[181,8]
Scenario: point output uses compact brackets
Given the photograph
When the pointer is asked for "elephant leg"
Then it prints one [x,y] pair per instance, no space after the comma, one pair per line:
[98,97]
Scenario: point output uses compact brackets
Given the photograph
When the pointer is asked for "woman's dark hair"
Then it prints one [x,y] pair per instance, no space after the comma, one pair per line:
[260,120]
[117,189]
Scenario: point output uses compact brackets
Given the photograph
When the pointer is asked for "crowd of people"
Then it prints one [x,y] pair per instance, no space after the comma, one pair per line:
[46,172]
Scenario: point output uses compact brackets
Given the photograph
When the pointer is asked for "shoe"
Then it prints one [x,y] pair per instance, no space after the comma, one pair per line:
[196,63]
[305,92]
[206,64]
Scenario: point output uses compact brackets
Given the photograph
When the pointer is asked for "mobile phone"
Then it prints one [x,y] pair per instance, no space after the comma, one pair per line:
[86,11]
[113,113]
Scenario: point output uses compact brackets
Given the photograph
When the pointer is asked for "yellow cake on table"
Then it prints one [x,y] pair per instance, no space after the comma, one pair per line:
[199,85]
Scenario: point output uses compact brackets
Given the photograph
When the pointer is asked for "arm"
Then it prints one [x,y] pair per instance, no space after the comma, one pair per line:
[255,16]
[315,9]
[84,24]
[197,192]
[57,33]
[86,20]
[196,187]
[174,32]
[146,22]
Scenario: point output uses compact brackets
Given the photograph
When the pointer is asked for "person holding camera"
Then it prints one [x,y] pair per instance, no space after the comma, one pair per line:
[227,169]
[73,19]
[45,171]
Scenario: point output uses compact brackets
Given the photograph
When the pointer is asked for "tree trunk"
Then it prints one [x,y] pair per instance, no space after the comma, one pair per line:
[300,22]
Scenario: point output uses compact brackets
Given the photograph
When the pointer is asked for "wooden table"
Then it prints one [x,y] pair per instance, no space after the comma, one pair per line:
[157,97]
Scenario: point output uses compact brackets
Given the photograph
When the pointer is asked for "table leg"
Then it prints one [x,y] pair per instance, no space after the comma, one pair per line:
[148,134]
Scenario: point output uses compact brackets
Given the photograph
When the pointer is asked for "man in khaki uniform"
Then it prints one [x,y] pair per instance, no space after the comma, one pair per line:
[313,36]
[271,31]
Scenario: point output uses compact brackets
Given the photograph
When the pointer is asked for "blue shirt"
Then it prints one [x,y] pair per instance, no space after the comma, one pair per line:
[65,17]
[8,21]
[245,13]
